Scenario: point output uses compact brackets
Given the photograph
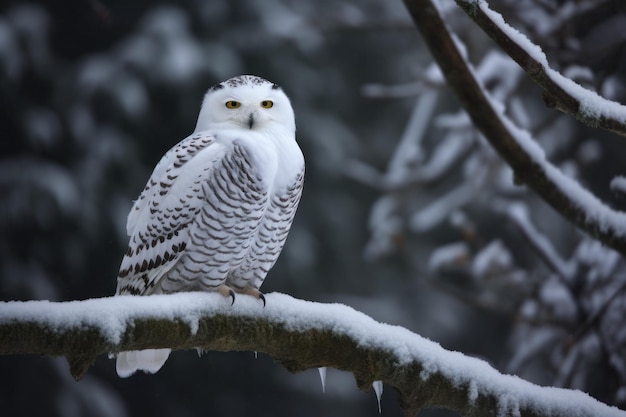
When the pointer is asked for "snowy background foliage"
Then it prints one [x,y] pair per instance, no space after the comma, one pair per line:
[408,215]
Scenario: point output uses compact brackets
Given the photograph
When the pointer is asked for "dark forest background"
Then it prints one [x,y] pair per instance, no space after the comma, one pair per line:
[406,214]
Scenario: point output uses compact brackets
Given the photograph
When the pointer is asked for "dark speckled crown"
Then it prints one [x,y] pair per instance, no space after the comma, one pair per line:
[241,80]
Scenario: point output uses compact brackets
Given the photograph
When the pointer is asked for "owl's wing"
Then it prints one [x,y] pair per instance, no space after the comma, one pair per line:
[158,224]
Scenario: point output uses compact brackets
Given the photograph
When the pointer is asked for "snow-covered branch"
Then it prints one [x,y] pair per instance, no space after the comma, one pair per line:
[298,334]
[514,145]
[560,92]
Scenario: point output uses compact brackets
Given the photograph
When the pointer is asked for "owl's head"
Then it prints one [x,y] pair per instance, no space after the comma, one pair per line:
[246,102]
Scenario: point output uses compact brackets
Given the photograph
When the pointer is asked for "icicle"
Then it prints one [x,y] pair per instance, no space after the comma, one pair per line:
[378,389]
[322,372]
[256,355]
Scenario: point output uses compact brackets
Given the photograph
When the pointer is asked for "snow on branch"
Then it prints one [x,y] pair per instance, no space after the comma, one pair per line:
[559,91]
[298,334]
[514,145]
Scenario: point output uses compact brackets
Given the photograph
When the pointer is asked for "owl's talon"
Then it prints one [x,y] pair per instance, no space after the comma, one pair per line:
[226,291]
[262,298]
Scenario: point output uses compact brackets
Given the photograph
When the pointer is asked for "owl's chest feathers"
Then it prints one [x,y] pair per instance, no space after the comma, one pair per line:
[274,158]
[249,202]
[254,179]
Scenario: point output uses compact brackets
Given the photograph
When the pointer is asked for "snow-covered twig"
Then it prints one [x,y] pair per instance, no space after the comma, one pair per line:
[409,151]
[440,209]
[298,334]
[540,243]
[431,80]
[560,92]
[453,150]
[515,146]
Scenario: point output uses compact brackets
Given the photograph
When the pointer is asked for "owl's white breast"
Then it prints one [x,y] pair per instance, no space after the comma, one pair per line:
[276,157]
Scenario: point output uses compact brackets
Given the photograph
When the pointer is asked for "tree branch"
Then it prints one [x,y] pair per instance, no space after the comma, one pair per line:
[296,333]
[516,147]
[559,92]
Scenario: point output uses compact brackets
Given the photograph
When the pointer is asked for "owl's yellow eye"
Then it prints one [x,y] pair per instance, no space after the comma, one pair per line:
[232,104]
[267,104]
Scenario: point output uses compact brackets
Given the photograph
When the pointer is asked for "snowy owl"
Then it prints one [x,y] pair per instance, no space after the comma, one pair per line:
[216,211]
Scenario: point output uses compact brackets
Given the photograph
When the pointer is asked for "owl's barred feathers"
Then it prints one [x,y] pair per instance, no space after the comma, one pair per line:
[217,209]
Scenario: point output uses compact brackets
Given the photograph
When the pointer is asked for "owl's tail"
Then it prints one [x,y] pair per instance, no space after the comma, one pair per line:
[149,360]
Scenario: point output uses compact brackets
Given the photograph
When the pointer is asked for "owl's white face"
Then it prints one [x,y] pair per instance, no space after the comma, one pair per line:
[246,102]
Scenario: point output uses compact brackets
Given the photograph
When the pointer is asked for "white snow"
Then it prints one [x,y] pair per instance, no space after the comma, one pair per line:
[500,70]
[453,254]
[409,150]
[618,184]
[384,222]
[520,39]
[439,210]
[601,261]
[110,315]
[591,104]
[447,154]
[472,392]
[554,295]
[492,259]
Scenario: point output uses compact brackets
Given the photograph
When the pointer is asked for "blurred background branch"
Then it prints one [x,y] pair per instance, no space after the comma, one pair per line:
[559,92]
[515,145]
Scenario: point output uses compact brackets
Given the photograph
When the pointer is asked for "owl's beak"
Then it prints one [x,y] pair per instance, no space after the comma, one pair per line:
[251,120]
